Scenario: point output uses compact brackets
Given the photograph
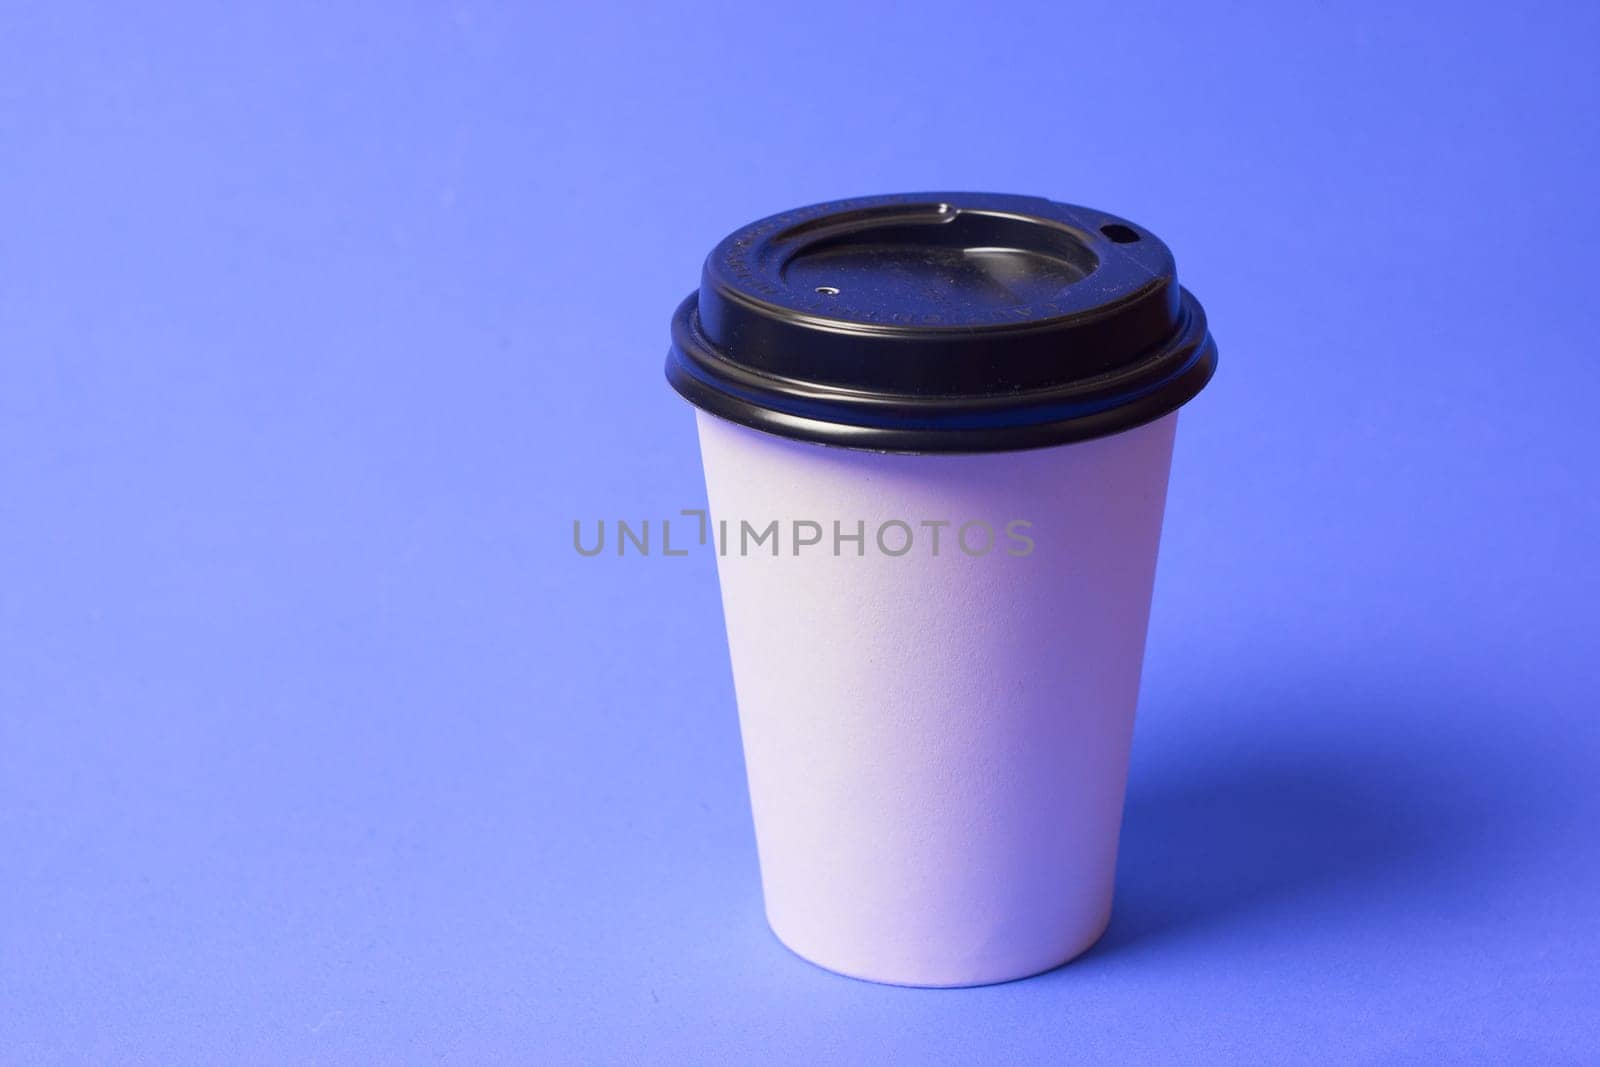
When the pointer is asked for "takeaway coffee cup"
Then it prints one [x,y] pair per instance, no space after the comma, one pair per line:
[936,432]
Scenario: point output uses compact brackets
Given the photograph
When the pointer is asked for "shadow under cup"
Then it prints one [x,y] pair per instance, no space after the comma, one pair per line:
[936,432]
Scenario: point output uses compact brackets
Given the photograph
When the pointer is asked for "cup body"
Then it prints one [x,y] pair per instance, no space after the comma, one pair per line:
[937,741]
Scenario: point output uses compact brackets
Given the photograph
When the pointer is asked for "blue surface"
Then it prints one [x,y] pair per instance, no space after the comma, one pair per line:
[319,326]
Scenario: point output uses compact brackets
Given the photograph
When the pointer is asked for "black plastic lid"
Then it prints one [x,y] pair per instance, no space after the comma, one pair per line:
[940,322]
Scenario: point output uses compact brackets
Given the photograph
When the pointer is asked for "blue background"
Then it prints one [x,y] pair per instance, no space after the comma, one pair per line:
[319,325]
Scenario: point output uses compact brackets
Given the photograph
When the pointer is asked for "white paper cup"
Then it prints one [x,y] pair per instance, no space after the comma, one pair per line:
[937,745]
[936,639]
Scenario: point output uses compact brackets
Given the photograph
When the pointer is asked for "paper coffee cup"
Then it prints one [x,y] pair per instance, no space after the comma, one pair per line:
[936,432]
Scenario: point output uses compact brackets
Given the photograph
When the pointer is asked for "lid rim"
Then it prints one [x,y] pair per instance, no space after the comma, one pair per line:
[886,422]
